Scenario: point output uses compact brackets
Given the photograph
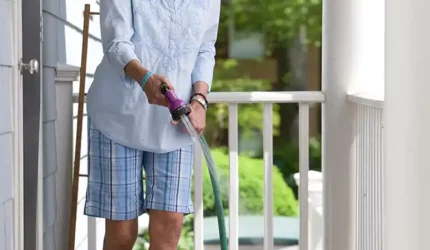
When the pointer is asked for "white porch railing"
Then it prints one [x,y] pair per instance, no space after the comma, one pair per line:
[369,170]
[233,99]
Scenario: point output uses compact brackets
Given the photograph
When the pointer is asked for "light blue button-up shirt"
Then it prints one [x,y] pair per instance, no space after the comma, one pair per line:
[174,38]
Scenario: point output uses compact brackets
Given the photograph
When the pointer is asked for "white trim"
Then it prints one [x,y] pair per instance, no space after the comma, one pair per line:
[367,99]
[64,130]
[67,73]
[18,206]
[261,97]
[40,181]
[266,97]
[40,166]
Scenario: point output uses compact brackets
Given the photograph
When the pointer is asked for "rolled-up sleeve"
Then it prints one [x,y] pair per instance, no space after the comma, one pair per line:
[204,66]
[116,26]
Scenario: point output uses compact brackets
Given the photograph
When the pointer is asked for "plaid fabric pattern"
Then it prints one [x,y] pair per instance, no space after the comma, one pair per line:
[115,188]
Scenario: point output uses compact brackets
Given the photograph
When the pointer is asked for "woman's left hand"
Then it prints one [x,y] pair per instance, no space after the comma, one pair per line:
[197,118]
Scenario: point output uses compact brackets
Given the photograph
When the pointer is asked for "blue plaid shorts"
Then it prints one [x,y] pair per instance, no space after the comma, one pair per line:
[115,188]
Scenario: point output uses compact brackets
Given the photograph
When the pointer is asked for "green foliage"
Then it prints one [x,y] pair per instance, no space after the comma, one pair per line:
[251,187]
[287,158]
[186,242]
[279,20]
[250,116]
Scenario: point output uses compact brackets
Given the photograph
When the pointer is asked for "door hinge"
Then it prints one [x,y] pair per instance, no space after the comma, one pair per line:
[41,29]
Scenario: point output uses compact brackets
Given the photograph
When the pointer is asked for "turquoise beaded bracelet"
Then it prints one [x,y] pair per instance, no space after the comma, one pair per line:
[145,79]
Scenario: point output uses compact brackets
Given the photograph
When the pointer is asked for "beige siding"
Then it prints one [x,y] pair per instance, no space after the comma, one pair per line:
[6,229]
[6,133]
[63,20]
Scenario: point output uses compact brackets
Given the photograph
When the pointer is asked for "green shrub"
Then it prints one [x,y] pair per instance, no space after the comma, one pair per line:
[287,160]
[186,242]
[251,187]
[227,78]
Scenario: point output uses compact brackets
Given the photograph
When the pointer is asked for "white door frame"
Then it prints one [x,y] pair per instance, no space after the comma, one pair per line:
[17,113]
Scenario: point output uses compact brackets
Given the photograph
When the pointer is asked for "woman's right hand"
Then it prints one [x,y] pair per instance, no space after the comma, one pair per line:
[152,89]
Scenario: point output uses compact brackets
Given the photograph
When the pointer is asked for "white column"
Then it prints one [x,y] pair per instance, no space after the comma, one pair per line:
[407,125]
[338,55]
[337,126]
[352,62]
[66,75]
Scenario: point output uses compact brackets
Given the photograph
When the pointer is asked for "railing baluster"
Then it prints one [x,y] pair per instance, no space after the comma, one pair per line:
[376,178]
[92,233]
[268,168]
[381,180]
[358,130]
[368,191]
[198,198]
[362,178]
[233,148]
[365,181]
[304,170]
[372,178]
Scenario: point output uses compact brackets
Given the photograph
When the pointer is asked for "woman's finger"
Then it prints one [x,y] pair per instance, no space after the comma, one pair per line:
[198,130]
[167,82]
[185,130]
[162,100]
[195,125]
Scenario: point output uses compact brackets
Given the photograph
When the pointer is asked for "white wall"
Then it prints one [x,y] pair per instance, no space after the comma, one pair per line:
[407,121]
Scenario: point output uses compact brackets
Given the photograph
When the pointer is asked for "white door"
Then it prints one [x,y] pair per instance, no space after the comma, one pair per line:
[12,120]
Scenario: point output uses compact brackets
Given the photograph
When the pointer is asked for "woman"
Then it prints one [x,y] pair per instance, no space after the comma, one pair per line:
[146,43]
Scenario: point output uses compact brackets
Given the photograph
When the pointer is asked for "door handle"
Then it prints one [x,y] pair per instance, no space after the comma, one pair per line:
[32,66]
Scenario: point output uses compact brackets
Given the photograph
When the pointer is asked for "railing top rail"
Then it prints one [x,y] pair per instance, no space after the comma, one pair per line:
[261,97]
[368,99]
[267,97]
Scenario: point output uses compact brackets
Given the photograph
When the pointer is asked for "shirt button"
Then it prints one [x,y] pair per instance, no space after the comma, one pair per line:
[171,45]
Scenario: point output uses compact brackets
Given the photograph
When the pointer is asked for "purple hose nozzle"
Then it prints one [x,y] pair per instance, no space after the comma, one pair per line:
[177,107]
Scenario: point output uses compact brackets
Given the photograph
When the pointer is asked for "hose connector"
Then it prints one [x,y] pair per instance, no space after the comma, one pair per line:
[177,107]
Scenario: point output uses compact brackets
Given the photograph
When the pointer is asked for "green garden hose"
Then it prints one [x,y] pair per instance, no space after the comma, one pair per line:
[217,194]
[180,110]
[214,180]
